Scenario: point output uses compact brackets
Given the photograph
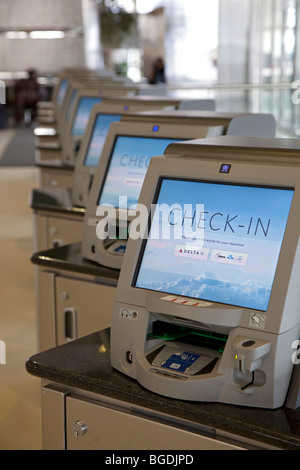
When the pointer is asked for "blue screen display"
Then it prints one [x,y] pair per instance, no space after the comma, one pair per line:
[101,127]
[82,114]
[227,243]
[127,168]
[62,91]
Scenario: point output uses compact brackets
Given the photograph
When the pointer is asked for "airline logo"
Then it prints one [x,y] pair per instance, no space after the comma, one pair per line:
[229,257]
[194,252]
[133,181]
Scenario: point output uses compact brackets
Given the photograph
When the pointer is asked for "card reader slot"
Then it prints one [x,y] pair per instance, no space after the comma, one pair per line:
[187,335]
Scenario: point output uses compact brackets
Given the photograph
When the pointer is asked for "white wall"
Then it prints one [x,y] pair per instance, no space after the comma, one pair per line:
[46,55]
[191,40]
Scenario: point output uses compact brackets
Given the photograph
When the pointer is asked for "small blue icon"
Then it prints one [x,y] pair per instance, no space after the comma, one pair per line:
[225,168]
[126,107]
[120,249]
[230,257]
[155,128]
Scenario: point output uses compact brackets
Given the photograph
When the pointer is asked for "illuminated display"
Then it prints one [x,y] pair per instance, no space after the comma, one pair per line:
[227,243]
[127,168]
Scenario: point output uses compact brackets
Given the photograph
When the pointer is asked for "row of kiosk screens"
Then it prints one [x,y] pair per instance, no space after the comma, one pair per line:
[214,257]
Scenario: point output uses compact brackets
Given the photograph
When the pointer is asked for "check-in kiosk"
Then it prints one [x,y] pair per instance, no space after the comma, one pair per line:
[63,110]
[49,135]
[49,112]
[46,111]
[90,151]
[52,220]
[52,170]
[235,124]
[55,151]
[113,178]
[80,108]
[113,110]
[207,302]
[83,104]
[119,177]
[84,387]
[84,74]
[83,396]
[66,84]
[69,72]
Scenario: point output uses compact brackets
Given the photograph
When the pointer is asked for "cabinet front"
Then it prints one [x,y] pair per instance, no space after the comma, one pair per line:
[92,426]
[82,308]
[63,231]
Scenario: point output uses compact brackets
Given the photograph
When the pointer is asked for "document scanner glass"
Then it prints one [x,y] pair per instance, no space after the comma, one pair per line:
[103,121]
[82,114]
[226,245]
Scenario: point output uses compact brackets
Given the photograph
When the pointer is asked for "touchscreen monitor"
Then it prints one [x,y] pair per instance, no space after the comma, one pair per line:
[215,242]
[127,168]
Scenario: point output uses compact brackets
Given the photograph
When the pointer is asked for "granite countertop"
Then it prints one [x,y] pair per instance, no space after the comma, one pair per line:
[69,258]
[55,200]
[85,365]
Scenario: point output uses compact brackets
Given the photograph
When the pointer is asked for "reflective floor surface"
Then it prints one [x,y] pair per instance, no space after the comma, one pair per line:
[20,403]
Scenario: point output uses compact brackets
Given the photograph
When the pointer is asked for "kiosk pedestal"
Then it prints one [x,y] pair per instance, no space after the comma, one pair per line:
[88,405]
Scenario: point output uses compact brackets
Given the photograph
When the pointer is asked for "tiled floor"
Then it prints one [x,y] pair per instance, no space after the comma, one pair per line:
[20,410]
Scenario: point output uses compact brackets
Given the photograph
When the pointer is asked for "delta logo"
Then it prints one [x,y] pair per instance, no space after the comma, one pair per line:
[191,252]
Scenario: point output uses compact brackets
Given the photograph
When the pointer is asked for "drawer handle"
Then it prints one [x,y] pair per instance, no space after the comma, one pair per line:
[70,324]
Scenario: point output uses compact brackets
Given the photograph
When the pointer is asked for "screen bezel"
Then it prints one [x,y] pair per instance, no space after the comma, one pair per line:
[75,115]
[140,129]
[144,241]
[122,106]
[109,160]
[283,292]
[95,90]
[91,134]
[87,84]
[64,82]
